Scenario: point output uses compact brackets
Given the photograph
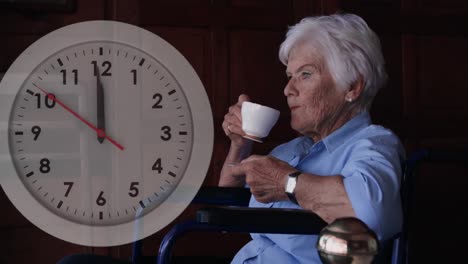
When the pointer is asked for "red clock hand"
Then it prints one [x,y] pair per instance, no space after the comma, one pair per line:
[99,132]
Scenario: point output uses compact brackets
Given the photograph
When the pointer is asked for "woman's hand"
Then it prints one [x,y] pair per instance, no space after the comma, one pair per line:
[266,177]
[232,124]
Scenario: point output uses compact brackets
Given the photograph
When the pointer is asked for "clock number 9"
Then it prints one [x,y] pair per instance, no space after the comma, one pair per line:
[105,64]
[36,130]
[167,133]
[100,200]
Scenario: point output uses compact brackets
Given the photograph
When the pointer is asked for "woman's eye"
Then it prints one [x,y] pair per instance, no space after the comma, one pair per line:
[305,75]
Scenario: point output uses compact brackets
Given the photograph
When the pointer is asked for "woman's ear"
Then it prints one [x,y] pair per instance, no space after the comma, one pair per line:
[355,89]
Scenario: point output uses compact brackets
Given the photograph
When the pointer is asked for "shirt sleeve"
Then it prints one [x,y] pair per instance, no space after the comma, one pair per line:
[372,181]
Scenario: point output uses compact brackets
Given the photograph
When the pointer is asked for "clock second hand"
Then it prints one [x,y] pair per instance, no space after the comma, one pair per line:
[99,132]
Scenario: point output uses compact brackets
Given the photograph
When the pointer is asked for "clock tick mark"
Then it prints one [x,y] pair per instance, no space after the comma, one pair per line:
[20,150]
[53,199]
[171,92]
[30,174]
[25,99]
[142,61]
[51,65]
[100,215]
[182,141]
[168,181]
[118,53]
[178,108]
[156,194]
[59,204]
[46,194]
[68,207]
[20,116]
[149,67]
[156,72]
[22,158]
[181,116]
[167,84]
[181,150]
[92,51]
[30,92]
[19,133]
[22,107]
[162,188]
[76,55]
[134,58]
[76,210]
[100,51]
[60,62]
[19,142]
[40,188]
[161,78]
[25,166]
[39,77]
[126,212]
[126,54]
[142,204]
[175,166]
[179,158]
[68,59]
[134,209]
[46,72]
[34,182]
[84,53]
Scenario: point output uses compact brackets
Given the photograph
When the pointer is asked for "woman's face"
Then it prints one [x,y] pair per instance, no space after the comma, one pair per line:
[315,102]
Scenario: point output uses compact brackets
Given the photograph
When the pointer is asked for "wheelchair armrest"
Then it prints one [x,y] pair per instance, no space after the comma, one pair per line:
[262,220]
[222,196]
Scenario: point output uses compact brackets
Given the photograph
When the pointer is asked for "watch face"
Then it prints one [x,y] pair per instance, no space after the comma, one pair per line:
[104,120]
[61,160]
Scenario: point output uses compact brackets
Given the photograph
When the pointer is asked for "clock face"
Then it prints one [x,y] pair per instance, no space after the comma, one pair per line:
[105,130]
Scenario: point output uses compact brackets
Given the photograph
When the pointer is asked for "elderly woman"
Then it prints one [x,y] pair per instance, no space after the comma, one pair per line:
[342,165]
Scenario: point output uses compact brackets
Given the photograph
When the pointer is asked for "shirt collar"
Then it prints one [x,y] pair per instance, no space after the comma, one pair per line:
[345,132]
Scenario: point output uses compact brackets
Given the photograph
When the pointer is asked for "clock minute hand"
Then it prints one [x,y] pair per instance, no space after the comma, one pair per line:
[86,122]
[101,121]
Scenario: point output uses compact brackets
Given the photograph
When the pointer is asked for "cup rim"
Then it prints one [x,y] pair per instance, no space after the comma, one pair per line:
[260,105]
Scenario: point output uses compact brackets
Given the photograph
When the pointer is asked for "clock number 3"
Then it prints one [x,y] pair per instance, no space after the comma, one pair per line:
[167,133]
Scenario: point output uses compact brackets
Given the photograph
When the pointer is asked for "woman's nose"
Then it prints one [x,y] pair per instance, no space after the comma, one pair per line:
[290,88]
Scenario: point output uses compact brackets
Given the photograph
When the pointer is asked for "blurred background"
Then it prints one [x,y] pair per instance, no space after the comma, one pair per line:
[233,46]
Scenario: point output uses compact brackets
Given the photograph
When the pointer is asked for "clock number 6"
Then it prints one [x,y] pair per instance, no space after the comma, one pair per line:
[100,200]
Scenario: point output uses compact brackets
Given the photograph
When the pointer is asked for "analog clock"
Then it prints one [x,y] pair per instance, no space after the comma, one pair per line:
[106,125]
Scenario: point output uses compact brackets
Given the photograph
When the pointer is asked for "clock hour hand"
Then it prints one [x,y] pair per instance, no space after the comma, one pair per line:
[101,120]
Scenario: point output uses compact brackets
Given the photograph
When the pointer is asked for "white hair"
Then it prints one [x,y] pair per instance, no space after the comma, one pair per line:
[350,49]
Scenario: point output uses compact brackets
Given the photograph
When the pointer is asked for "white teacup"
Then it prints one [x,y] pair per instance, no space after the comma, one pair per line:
[258,120]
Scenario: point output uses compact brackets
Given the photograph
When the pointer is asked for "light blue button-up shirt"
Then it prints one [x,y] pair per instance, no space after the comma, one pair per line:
[369,157]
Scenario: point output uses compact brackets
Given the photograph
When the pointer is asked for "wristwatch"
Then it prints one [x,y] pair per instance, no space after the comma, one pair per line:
[291,186]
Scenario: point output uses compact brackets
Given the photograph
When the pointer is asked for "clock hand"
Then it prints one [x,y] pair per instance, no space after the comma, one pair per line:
[99,132]
[101,122]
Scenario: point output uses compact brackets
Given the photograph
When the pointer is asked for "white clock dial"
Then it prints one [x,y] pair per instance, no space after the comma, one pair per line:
[104,130]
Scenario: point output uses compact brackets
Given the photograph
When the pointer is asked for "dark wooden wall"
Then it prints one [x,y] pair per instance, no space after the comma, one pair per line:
[233,46]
